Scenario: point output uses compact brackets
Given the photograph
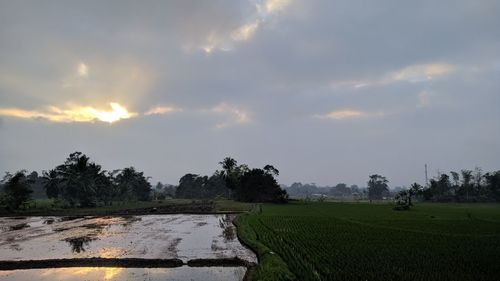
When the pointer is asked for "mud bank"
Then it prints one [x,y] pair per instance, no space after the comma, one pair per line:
[193,207]
[122,263]
[90,262]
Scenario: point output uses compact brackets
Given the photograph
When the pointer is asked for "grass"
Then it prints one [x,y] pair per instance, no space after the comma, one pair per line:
[360,241]
[232,206]
[271,266]
[46,207]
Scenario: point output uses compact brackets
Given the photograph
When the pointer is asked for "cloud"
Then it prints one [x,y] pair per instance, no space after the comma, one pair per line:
[422,72]
[161,110]
[410,74]
[215,42]
[271,6]
[233,114]
[356,84]
[245,32]
[72,113]
[281,74]
[83,70]
[224,41]
[342,114]
[347,114]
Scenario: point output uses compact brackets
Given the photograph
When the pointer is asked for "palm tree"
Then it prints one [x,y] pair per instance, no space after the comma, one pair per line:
[133,185]
[51,183]
[415,189]
[78,178]
[229,166]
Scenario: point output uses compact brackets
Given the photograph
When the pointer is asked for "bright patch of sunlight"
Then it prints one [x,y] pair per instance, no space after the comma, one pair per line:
[72,114]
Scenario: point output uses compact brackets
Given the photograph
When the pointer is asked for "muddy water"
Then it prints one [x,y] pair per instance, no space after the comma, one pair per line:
[132,274]
[153,236]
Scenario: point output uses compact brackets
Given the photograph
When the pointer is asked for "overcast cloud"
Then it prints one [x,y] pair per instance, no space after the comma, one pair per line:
[327,91]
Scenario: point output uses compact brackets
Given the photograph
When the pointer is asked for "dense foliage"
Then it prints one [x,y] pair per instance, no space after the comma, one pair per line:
[234,181]
[404,199]
[16,189]
[335,241]
[258,185]
[377,187]
[202,187]
[77,182]
[310,190]
[466,186]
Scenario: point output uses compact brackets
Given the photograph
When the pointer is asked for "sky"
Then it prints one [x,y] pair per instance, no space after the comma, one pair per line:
[326,91]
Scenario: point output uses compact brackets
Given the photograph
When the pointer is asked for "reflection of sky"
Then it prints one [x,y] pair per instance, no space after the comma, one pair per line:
[93,273]
[131,274]
[155,236]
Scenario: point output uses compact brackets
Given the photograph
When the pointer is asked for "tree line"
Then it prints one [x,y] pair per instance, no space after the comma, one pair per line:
[311,190]
[463,186]
[234,181]
[77,182]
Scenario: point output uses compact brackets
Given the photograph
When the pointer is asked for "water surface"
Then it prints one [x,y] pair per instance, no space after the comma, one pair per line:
[123,274]
[152,236]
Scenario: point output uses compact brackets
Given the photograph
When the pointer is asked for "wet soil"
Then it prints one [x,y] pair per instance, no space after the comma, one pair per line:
[90,262]
[193,207]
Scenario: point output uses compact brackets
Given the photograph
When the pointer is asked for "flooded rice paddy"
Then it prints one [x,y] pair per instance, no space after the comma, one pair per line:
[123,274]
[152,237]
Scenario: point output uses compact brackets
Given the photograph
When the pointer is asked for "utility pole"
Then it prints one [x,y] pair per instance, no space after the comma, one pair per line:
[426,178]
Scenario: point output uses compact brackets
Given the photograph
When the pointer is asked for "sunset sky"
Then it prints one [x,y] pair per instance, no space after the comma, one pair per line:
[326,91]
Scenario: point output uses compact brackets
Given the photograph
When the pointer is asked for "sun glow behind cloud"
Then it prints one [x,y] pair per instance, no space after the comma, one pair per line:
[72,114]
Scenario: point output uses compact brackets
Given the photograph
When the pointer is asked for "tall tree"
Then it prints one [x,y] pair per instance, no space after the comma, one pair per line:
[377,186]
[133,185]
[51,183]
[229,172]
[107,190]
[456,182]
[259,185]
[78,180]
[270,169]
[414,190]
[189,186]
[466,187]
[17,189]
[493,184]
[195,186]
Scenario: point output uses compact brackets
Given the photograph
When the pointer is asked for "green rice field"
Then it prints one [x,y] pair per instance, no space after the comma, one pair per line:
[362,241]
